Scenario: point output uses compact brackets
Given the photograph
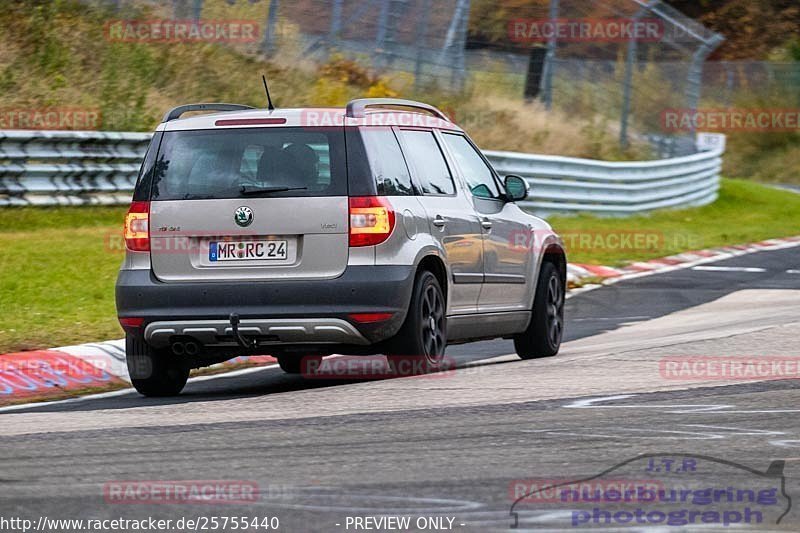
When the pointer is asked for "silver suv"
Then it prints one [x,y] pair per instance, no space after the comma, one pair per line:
[375,229]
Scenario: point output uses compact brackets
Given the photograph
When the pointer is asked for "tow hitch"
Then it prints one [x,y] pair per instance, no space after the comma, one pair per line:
[241,340]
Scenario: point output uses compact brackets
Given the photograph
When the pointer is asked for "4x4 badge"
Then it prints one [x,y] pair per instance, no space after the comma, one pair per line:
[243,216]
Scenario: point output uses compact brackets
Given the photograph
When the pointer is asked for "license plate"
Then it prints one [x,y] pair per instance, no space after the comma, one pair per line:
[248,251]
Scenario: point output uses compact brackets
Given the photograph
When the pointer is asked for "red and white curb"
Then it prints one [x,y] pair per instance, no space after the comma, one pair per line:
[43,374]
[578,273]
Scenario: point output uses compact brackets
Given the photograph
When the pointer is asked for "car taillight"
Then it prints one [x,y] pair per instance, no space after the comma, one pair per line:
[137,227]
[371,220]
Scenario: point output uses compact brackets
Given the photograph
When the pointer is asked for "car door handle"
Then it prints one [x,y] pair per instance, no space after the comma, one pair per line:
[486,223]
[439,222]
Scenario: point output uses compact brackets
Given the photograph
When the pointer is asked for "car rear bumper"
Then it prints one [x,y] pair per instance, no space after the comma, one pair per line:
[281,312]
[281,330]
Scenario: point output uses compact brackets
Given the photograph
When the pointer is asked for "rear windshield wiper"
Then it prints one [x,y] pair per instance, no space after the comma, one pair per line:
[252,191]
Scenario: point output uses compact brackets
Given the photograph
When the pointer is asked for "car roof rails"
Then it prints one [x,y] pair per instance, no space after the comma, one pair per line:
[176,112]
[358,108]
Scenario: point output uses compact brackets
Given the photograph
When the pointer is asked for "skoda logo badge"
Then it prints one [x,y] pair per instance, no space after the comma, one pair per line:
[243,216]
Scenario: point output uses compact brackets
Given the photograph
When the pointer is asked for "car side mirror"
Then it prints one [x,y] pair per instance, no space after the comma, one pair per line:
[516,188]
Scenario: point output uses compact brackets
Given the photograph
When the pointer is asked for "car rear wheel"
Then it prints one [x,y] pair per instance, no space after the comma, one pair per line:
[544,334]
[420,344]
[155,373]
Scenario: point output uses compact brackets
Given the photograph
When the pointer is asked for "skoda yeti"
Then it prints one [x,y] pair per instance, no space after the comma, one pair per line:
[301,233]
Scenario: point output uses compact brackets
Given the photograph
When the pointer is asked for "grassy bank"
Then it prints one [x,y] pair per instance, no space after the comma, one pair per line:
[58,266]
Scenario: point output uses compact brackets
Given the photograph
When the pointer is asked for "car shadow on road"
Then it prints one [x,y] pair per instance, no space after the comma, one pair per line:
[256,383]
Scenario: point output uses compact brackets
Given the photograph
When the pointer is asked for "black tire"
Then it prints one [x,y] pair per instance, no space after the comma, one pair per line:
[153,372]
[546,330]
[420,344]
[295,364]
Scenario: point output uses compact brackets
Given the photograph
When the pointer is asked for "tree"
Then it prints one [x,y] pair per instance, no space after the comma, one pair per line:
[753,29]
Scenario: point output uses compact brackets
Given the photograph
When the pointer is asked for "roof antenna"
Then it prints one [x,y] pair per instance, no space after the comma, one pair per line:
[269,100]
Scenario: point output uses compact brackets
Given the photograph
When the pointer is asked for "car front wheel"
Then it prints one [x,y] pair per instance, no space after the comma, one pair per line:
[546,330]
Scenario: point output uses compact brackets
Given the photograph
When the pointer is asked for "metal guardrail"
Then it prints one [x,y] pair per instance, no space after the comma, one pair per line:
[69,167]
[79,168]
[569,185]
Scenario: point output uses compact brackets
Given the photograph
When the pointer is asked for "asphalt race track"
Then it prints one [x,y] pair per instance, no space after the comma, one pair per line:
[462,447]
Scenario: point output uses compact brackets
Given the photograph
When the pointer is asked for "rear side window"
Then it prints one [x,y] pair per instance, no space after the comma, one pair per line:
[387,163]
[430,168]
[359,175]
[224,163]
[141,193]
[477,173]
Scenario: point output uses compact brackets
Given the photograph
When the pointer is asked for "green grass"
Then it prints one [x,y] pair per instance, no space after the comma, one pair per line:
[35,219]
[745,212]
[57,273]
[58,265]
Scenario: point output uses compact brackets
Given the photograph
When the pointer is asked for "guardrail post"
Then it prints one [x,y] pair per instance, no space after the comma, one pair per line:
[380,35]
[694,82]
[420,40]
[268,46]
[197,10]
[336,22]
[630,60]
[550,59]
[454,42]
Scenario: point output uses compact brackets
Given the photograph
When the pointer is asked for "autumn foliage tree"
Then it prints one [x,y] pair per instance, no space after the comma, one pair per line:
[754,29]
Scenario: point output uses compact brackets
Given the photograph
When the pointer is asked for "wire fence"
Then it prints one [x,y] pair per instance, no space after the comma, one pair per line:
[625,62]
[425,38]
[622,60]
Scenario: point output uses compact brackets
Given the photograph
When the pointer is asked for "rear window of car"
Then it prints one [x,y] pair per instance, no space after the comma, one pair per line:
[225,163]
